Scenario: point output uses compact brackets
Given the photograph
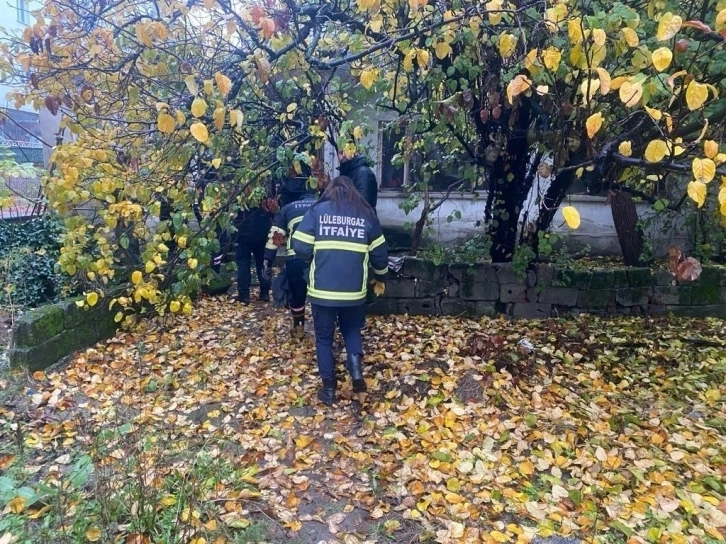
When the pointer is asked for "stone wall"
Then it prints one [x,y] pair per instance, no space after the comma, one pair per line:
[45,335]
[423,288]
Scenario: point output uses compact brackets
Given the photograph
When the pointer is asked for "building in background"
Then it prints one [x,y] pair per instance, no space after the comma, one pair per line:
[20,128]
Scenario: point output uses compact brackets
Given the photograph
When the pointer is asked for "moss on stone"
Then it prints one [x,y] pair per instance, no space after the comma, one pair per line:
[639,277]
[38,325]
[705,292]
[602,279]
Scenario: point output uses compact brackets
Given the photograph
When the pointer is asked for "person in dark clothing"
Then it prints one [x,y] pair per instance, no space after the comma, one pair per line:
[283,227]
[339,237]
[252,228]
[359,171]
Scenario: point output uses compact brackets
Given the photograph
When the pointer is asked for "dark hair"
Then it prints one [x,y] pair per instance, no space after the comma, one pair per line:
[341,190]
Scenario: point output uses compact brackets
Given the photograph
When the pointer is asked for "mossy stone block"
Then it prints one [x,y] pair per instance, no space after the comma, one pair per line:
[595,298]
[705,292]
[620,278]
[423,269]
[602,279]
[38,325]
[639,277]
[45,354]
[576,279]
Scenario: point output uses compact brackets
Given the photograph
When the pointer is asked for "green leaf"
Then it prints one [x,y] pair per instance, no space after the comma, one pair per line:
[622,528]
[82,471]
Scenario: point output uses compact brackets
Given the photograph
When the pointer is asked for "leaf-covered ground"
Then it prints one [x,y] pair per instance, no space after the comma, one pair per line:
[206,429]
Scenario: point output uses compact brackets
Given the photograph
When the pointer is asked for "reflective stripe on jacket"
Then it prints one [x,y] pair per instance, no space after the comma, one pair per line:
[340,245]
[285,223]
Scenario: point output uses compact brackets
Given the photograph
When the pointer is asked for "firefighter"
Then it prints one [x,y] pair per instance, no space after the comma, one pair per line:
[339,237]
[284,225]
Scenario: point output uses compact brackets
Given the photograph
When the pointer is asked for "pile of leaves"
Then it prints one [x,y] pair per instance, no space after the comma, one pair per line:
[611,430]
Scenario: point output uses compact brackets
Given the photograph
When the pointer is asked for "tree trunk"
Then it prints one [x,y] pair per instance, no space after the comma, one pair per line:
[417,236]
[630,235]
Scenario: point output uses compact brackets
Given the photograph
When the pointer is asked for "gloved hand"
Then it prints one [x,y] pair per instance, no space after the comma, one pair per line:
[267,271]
[379,287]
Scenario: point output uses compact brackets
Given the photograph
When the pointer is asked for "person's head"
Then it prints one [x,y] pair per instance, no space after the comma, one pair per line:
[341,190]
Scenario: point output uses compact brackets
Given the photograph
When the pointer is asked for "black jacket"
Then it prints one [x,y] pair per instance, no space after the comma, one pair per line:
[340,244]
[364,179]
[252,225]
[284,226]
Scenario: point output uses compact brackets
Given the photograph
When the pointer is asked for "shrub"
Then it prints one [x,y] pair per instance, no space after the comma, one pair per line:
[29,251]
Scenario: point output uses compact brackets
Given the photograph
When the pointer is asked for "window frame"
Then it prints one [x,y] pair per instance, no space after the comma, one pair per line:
[23,11]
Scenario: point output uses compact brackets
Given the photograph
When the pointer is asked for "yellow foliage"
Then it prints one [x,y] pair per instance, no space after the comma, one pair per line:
[224,84]
[368,77]
[704,170]
[166,123]
[668,26]
[696,95]
[625,149]
[697,192]
[199,107]
[199,131]
[662,58]
[631,37]
[593,124]
[572,217]
[507,44]
[656,151]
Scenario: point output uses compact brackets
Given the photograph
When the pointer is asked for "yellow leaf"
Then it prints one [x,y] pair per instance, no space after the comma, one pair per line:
[216,162]
[358,132]
[200,540]
[199,131]
[662,58]
[495,17]
[94,534]
[704,170]
[224,84]
[630,93]
[136,277]
[191,84]
[118,317]
[208,87]
[507,44]
[192,263]
[17,505]
[218,117]
[697,192]
[657,115]
[625,148]
[452,484]
[422,57]
[593,124]
[605,82]
[631,37]
[187,309]
[572,217]
[721,19]
[696,95]
[574,30]
[442,50]
[368,77]
[526,467]
[656,151]
[92,298]
[517,86]
[710,148]
[168,500]
[668,26]
[165,123]
[552,57]
[499,537]
[199,107]
[599,37]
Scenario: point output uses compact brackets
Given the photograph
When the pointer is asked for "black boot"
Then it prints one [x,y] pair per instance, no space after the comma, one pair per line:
[298,325]
[355,368]
[326,394]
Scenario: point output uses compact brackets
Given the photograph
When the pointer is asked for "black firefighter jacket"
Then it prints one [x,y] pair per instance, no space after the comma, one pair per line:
[340,244]
[364,179]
